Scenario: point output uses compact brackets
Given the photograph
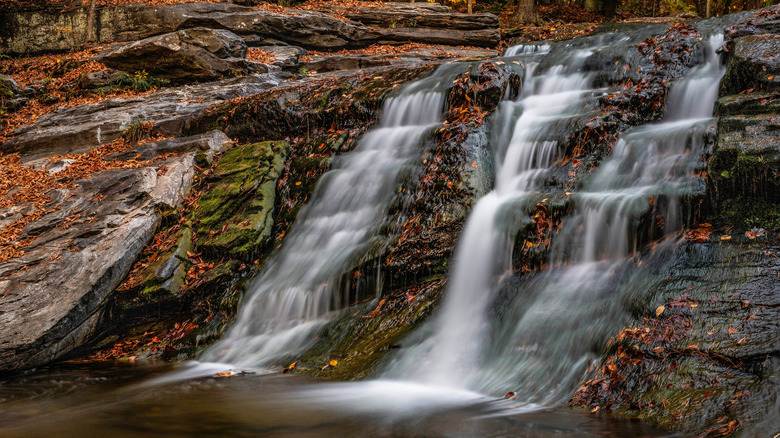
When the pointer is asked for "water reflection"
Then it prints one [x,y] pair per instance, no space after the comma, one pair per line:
[102,400]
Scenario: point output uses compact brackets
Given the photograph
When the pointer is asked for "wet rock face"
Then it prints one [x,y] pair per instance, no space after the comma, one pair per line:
[197,54]
[700,355]
[706,360]
[82,248]
[228,222]
[743,171]
[765,21]
[754,64]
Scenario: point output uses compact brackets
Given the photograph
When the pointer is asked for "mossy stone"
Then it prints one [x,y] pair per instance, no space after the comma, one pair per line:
[235,216]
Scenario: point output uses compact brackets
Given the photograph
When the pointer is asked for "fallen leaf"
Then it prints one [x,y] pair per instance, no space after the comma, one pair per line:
[659,311]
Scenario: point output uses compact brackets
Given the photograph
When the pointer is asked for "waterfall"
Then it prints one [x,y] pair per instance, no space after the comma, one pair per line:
[527,49]
[542,342]
[450,356]
[297,291]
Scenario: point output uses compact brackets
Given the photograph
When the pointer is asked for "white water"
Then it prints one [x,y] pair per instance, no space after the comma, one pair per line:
[297,292]
[655,162]
[527,49]
[543,343]
[451,356]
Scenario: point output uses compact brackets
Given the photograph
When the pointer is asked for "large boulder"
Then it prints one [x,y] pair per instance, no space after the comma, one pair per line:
[197,54]
[76,254]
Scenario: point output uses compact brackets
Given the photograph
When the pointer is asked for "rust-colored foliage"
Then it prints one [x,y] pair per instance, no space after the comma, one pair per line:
[21,184]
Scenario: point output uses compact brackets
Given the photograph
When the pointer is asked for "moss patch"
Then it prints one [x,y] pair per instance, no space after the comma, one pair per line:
[234,217]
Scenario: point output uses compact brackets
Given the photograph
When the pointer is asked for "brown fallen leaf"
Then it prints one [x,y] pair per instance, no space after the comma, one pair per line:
[659,311]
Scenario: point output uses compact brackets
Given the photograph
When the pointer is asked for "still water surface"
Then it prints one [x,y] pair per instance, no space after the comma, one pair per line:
[96,400]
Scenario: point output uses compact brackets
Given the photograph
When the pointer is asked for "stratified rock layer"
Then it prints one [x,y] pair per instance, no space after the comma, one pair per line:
[54,294]
[197,54]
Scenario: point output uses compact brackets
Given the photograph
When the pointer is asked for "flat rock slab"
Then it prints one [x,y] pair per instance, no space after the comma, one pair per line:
[322,64]
[198,54]
[52,297]
[81,128]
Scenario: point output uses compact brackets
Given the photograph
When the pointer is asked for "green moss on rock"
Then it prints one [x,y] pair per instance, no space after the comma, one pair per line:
[235,216]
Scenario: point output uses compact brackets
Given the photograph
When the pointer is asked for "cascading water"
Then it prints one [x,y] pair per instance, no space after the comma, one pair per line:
[542,344]
[527,49]
[297,291]
[450,357]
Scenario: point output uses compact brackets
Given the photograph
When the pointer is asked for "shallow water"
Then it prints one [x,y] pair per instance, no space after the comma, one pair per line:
[117,401]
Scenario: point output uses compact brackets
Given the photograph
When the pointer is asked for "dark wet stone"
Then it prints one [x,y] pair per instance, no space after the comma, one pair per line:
[765,21]
[754,64]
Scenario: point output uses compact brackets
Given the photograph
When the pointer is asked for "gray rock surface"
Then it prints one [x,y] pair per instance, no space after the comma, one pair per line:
[98,79]
[322,64]
[746,156]
[40,31]
[419,16]
[8,86]
[80,128]
[54,295]
[197,54]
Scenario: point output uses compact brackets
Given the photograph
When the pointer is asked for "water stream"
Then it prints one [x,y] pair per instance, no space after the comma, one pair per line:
[542,343]
[451,356]
[536,335]
[298,290]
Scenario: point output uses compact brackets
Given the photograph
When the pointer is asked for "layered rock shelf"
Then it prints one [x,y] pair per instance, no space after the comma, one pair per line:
[47,30]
